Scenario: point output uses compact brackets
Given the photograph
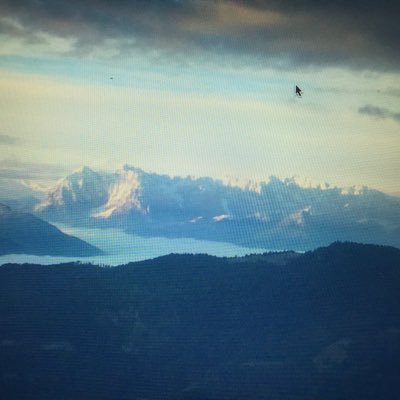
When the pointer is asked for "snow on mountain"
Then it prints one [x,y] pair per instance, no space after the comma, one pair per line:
[244,184]
[129,189]
[123,194]
[83,187]
[306,183]
[355,190]
[256,185]
[221,217]
[297,217]
[16,189]
[277,209]
[37,187]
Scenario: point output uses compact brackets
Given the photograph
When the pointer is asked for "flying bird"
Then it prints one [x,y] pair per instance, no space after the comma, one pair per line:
[298,91]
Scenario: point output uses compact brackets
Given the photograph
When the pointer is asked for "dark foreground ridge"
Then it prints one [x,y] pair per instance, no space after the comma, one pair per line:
[322,325]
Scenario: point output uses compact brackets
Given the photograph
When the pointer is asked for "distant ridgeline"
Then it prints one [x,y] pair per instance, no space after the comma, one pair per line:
[320,325]
[278,214]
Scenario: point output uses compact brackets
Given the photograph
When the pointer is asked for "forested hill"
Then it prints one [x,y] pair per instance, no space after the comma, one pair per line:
[24,233]
[325,324]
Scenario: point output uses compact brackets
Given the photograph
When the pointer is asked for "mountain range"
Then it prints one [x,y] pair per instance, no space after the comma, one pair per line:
[319,325]
[275,214]
[24,233]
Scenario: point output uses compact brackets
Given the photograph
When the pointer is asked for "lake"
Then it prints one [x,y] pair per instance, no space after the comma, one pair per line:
[121,248]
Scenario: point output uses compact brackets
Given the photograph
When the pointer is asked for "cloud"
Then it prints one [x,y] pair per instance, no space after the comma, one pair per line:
[11,169]
[373,111]
[379,112]
[8,140]
[358,34]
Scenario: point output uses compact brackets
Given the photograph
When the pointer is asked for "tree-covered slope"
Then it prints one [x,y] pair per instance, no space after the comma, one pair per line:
[23,233]
[324,325]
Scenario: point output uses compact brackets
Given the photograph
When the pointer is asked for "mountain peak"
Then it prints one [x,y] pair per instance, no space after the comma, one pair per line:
[355,190]
[291,212]
[306,183]
[84,170]
[244,184]
[84,187]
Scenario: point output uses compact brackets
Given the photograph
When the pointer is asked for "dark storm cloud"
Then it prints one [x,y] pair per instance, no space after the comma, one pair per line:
[379,112]
[358,34]
[8,140]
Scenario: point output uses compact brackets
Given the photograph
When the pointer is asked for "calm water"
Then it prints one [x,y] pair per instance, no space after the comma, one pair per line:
[122,248]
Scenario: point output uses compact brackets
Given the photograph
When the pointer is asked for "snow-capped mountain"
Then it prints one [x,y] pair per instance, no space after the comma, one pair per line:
[81,191]
[123,194]
[275,213]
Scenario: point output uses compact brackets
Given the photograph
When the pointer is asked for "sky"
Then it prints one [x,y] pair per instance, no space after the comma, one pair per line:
[202,88]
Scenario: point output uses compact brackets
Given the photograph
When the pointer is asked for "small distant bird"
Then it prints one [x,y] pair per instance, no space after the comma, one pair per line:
[298,91]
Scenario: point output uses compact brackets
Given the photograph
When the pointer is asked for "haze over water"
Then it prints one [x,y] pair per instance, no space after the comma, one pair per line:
[122,248]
